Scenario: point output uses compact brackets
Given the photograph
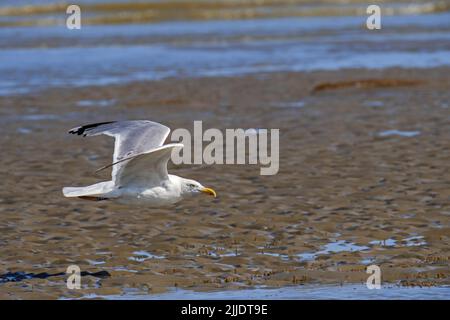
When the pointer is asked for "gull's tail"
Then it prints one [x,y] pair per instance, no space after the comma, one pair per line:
[96,190]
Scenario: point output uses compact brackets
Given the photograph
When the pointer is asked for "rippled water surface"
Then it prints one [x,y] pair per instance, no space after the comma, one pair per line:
[50,55]
[351,292]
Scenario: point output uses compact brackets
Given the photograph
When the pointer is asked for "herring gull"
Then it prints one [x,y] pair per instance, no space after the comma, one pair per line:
[139,167]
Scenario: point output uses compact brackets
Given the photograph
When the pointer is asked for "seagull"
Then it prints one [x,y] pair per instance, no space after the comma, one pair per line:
[139,167]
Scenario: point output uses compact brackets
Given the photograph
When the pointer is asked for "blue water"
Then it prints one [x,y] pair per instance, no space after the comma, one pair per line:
[347,292]
[37,58]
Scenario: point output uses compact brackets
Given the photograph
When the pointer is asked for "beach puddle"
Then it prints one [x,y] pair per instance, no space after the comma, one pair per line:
[332,247]
[95,262]
[400,133]
[124,269]
[367,261]
[384,243]
[142,255]
[278,255]
[412,241]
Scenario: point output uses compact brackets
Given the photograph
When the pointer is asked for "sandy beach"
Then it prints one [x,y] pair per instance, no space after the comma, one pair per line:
[363,180]
[364,144]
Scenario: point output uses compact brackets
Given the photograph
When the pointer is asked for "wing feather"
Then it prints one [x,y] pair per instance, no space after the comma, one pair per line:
[147,169]
[131,138]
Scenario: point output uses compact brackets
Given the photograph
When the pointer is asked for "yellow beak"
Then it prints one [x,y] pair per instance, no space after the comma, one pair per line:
[209,191]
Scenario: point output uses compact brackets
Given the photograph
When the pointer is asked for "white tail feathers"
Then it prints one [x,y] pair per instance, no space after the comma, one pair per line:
[73,191]
[97,190]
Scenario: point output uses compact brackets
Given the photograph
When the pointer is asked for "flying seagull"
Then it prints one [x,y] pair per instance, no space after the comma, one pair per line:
[139,167]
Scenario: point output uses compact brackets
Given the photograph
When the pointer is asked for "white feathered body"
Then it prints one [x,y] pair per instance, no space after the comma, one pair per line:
[167,193]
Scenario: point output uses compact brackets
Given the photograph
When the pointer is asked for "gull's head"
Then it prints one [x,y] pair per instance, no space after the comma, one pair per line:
[192,187]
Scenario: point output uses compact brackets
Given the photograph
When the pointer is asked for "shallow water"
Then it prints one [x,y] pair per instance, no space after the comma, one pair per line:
[34,58]
[356,292]
[142,255]
[333,247]
[400,133]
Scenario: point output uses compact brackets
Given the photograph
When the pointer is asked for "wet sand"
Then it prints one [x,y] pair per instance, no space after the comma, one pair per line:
[48,12]
[364,179]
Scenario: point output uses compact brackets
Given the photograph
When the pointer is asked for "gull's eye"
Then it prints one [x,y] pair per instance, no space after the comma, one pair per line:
[191,185]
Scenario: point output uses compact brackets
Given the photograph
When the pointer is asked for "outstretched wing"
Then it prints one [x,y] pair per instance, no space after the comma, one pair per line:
[131,138]
[146,169]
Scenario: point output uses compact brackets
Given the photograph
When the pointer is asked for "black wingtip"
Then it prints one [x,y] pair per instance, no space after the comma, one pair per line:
[81,130]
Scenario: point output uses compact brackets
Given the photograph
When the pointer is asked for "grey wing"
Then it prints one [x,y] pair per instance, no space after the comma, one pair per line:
[131,137]
[147,169]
